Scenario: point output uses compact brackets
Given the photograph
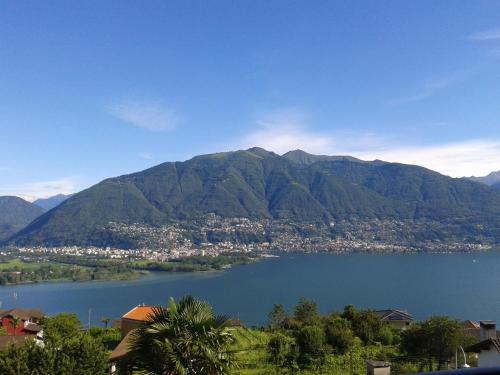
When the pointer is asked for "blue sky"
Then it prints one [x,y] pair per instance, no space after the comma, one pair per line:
[94,89]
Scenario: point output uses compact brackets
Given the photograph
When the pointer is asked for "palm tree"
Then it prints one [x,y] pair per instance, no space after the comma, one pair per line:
[14,322]
[105,321]
[184,338]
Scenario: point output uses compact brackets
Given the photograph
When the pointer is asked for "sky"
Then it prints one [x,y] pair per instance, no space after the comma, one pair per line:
[94,89]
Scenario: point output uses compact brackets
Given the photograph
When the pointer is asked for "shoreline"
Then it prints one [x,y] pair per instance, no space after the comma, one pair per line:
[141,273]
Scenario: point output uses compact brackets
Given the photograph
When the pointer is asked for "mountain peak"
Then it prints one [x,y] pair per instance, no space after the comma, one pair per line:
[261,152]
[302,157]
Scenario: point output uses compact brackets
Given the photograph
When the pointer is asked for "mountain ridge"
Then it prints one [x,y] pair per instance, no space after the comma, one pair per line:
[491,179]
[261,185]
[16,213]
[51,202]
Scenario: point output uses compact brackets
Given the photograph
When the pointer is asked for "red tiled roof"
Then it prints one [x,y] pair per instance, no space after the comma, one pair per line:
[140,313]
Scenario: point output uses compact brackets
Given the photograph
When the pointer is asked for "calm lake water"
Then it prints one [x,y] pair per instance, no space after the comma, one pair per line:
[465,286]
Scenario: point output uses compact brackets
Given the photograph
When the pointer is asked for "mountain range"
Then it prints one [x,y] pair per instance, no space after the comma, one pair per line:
[15,214]
[51,202]
[296,187]
[492,179]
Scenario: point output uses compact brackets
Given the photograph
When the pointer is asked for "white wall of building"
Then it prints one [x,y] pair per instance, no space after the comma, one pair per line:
[489,358]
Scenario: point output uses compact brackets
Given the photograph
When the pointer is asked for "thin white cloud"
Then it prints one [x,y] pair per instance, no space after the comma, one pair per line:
[43,189]
[147,115]
[493,34]
[431,87]
[468,158]
[284,131]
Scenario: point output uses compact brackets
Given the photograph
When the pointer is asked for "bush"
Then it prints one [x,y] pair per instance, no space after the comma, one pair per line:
[282,350]
[312,349]
[339,334]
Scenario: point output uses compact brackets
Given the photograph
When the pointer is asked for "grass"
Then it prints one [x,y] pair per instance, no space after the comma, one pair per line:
[250,352]
[24,266]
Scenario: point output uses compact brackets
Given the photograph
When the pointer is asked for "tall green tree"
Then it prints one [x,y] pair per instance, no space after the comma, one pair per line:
[365,324]
[105,321]
[339,334]
[434,340]
[283,351]
[60,327]
[184,338]
[311,341]
[78,355]
[277,316]
[306,311]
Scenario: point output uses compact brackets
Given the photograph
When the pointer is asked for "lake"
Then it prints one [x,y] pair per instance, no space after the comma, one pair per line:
[465,286]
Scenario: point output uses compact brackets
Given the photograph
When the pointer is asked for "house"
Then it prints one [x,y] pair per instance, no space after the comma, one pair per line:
[395,318]
[472,328]
[378,368]
[488,348]
[135,318]
[130,321]
[28,321]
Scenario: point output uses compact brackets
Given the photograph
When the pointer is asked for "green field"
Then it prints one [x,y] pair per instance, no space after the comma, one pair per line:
[18,271]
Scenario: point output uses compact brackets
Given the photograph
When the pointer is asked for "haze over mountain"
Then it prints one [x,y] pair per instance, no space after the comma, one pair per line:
[491,179]
[51,202]
[258,184]
[15,214]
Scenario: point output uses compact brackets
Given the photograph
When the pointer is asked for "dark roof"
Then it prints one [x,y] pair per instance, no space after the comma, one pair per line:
[15,340]
[484,345]
[33,327]
[24,314]
[471,324]
[122,348]
[393,315]
[377,364]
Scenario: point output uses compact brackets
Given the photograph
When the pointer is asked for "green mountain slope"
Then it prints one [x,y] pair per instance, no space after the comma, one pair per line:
[15,214]
[302,157]
[258,184]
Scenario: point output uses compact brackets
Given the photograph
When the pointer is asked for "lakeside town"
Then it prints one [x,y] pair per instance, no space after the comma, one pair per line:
[213,235]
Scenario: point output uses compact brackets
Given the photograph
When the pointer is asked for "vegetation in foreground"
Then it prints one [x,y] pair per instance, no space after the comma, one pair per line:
[305,342]
[66,350]
[187,337]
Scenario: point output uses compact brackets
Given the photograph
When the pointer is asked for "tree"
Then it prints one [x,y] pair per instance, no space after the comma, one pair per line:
[339,334]
[78,355]
[14,322]
[282,351]
[365,324]
[306,311]
[311,342]
[277,316]
[433,340]
[81,355]
[105,321]
[59,327]
[182,339]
